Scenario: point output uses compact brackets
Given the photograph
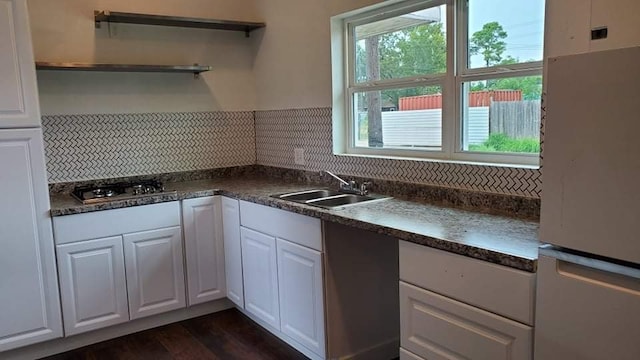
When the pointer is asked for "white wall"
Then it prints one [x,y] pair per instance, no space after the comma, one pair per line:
[293,61]
[288,65]
[63,31]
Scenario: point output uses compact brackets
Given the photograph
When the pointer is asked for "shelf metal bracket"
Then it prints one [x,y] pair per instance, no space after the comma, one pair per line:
[99,17]
[196,75]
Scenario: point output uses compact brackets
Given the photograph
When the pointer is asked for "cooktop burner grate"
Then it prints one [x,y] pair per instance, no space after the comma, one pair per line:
[117,191]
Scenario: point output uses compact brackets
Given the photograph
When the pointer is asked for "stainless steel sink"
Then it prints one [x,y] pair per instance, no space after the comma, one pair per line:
[337,201]
[308,195]
[329,199]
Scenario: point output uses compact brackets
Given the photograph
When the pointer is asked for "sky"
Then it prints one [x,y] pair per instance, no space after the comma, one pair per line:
[521,19]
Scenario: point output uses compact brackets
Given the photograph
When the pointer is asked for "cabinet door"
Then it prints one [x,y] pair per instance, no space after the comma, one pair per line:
[301,295]
[436,327]
[92,284]
[259,270]
[202,223]
[232,250]
[18,91]
[30,310]
[155,275]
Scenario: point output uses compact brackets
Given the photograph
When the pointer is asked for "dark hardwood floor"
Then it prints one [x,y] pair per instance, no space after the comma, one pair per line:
[223,335]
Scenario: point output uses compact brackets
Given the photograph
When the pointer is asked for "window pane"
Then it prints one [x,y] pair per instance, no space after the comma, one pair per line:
[399,118]
[502,115]
[505,32]
[402,46]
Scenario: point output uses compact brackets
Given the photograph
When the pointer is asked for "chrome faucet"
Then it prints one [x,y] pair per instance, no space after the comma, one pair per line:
[350,187]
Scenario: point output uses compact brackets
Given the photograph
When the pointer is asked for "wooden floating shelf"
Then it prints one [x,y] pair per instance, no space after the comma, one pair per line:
[193,69]
[161,20]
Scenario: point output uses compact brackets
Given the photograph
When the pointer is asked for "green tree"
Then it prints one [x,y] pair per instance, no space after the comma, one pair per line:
[414,51]
[531,86]
[489,42]
[420,49]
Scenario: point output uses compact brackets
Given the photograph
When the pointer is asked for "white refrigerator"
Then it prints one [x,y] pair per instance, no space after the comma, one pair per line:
[588,291]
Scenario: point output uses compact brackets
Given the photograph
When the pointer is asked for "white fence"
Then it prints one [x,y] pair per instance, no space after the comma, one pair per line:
[424,127]
[477,127]
[412,128]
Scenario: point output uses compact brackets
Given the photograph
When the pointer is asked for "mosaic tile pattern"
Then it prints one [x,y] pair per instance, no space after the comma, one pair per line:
[543,120]
[278,132]
[87,147]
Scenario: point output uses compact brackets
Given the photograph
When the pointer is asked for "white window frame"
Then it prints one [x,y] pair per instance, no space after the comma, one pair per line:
[458,72]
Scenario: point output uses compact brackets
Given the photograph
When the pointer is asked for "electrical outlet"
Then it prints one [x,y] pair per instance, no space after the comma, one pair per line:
[298,156]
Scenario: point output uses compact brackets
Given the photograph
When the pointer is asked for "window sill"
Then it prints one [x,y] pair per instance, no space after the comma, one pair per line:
[443,161]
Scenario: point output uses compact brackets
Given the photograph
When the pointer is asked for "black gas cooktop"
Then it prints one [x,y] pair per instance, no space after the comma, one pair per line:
[118,191]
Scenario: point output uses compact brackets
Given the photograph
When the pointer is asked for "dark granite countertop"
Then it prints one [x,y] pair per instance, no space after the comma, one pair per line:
[498,239]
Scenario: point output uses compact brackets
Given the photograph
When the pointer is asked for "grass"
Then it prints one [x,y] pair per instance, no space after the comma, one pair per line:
[503,143]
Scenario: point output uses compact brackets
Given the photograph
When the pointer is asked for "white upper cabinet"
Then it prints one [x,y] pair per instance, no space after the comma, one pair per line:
[259,269]
[92,284]
[232,250]
[155,275]
[202,221]
[30,306]
[18,91]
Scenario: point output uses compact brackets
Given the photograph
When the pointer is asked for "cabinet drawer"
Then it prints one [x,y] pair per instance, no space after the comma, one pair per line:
[99,224]
[492,287]
[299,229]
[435,327]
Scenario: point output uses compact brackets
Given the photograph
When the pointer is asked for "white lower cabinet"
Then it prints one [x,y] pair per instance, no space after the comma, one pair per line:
[463,308]
[92,284]
[260,275]
[282,273]
[301,296]
[128,265]
[155,275]
[204,252]
[436,327]
[232,250]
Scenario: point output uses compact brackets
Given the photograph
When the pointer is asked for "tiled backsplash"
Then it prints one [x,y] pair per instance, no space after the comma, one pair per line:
[279,132]
[86,147]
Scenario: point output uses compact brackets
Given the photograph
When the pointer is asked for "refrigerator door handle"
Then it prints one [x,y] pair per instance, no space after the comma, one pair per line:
[597,264]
